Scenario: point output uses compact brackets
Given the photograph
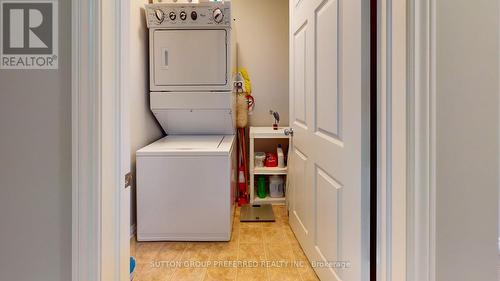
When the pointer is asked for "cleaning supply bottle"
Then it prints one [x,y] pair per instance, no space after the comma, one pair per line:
[276,186]
[242,187]
[271,159]
[281,157]
[261,187]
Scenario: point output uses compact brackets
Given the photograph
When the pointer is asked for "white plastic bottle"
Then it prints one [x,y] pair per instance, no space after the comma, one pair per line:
[276,186]
[281,157]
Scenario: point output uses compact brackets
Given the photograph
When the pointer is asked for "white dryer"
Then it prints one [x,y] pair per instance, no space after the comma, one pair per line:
[191,46]
[192,58]
[186,184]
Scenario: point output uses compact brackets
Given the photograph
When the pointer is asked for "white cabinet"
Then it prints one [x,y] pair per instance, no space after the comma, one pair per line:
[266,134]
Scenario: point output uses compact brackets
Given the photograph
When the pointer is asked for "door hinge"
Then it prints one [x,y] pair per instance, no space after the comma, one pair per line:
[128,179]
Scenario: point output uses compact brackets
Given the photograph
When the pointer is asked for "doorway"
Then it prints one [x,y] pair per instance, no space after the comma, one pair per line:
[325,174]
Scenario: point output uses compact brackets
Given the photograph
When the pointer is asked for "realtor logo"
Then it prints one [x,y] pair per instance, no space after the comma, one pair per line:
[28,34]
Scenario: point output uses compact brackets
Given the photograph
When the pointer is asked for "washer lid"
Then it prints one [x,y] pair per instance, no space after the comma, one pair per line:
[189,144]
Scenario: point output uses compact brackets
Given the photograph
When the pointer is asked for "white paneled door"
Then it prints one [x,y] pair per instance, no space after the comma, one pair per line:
[329,101]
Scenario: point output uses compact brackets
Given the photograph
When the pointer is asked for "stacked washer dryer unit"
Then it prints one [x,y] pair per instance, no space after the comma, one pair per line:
[186,181]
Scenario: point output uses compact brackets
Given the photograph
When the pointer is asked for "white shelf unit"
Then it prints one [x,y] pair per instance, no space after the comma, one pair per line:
[270,171]
[265,133]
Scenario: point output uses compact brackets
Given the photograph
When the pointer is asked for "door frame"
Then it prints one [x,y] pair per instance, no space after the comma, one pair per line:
[421,184]
[85,143]
[412,140]
[392,103]
[406,140]
[99,112]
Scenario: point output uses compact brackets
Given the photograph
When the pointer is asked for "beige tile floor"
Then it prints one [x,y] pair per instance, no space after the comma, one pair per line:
[257,251]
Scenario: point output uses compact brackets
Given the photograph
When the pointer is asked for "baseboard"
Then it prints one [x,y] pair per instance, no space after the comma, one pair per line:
[133,229]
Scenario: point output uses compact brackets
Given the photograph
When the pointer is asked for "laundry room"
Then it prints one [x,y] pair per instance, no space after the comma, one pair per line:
[262,140]
[209,109]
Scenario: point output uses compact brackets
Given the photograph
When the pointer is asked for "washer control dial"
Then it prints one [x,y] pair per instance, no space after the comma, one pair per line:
[160,16]
[183,15]
[218,15]
[172,16]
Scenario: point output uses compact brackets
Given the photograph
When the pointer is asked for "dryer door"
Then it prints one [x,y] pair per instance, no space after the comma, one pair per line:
[189,58]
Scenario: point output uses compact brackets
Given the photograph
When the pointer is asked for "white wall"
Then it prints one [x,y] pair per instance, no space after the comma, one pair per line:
[467,87]
[144,128]
[35,167]
[262,35]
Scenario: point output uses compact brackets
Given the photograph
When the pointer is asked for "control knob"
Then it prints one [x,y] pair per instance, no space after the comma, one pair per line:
[172,16]
[194,15]
[160,16]
[183,15]
[218,15]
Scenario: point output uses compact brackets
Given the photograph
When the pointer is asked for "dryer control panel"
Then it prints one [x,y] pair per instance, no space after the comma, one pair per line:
[182,15]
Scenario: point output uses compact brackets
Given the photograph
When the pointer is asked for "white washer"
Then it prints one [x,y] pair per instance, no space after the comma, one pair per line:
[186,188]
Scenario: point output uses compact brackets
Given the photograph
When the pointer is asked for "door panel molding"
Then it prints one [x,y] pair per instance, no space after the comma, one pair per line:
[299,102]
[333,208]
[328,113]
[300,185]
